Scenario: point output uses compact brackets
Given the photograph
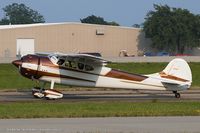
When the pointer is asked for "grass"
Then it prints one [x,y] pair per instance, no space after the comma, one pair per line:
[11,79]
[97,109]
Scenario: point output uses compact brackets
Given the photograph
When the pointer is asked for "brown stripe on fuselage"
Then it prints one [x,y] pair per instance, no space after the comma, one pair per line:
[125,75]
[164,75]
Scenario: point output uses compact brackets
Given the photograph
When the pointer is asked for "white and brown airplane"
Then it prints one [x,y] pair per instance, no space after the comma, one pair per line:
[91,71]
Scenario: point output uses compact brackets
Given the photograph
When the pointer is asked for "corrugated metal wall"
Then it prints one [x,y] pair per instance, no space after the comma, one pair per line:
[73,38]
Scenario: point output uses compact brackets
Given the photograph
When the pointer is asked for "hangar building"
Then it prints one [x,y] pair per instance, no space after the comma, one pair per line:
[69,38]
[18,40]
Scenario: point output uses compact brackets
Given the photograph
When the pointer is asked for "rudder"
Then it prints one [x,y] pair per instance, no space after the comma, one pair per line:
[179,68]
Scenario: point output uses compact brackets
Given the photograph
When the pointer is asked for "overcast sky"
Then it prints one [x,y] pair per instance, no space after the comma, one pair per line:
[124,12]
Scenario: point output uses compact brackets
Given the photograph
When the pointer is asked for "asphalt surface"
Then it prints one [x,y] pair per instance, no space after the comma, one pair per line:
[122,95]
[103,125]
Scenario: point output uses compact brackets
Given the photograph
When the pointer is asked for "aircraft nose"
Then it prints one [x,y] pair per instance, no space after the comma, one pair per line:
[17,63]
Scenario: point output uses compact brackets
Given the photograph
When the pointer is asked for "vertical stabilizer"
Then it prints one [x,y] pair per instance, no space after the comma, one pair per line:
[179,69]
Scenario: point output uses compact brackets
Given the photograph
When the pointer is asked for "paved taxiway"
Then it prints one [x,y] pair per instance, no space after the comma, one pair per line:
[122,95]
[103,125]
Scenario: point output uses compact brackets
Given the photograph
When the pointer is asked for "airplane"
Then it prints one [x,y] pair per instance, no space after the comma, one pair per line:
[90,71]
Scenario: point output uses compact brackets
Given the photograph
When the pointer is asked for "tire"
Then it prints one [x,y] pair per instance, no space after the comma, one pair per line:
[177,95]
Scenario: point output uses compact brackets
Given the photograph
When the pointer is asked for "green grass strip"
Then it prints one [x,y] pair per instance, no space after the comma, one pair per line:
[97,109]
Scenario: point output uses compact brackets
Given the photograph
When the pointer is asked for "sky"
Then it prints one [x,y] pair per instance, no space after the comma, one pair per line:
[124,12]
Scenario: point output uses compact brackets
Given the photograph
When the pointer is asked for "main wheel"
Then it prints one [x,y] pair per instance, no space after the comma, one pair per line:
[35,89]
[36,92]
[177,95]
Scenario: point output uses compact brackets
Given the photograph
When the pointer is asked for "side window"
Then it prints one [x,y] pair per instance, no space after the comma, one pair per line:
[80,66]
[88,68]
[72,64]
[66,64]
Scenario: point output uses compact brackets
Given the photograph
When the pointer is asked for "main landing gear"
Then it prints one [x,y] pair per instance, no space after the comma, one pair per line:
[50,94]
[177,95]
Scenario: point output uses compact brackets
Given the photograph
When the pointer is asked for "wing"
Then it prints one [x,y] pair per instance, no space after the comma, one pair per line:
[85,58]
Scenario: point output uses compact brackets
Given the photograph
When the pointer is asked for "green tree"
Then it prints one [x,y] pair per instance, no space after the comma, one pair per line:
[136,25]
[172,29]
[97,20]
[20,14]
[4,21]
[113,23]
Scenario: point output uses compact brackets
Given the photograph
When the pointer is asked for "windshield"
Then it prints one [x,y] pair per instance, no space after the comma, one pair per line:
[53,59]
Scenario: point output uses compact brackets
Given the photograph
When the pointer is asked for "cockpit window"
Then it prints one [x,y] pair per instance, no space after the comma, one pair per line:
[81,60]
[89,68]
[61,62]
[80,66]
[72,64]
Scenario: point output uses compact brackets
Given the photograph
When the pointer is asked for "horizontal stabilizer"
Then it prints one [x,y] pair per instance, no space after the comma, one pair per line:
[169,83]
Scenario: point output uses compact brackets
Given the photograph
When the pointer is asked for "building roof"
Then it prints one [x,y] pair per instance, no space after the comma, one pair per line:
[63,23]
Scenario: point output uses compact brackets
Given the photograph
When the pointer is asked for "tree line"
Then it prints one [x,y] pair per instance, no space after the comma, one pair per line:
[21,14]
[170,29]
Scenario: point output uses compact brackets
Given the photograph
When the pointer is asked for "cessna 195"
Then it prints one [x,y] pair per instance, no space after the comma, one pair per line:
[90,71]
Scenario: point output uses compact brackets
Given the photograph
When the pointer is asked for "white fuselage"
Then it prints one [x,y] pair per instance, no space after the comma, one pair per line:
[98,78]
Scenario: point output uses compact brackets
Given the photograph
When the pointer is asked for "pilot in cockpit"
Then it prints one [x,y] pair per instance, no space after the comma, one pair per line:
[60,62]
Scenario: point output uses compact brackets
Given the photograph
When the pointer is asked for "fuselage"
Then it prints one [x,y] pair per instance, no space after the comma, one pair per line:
[43,68]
